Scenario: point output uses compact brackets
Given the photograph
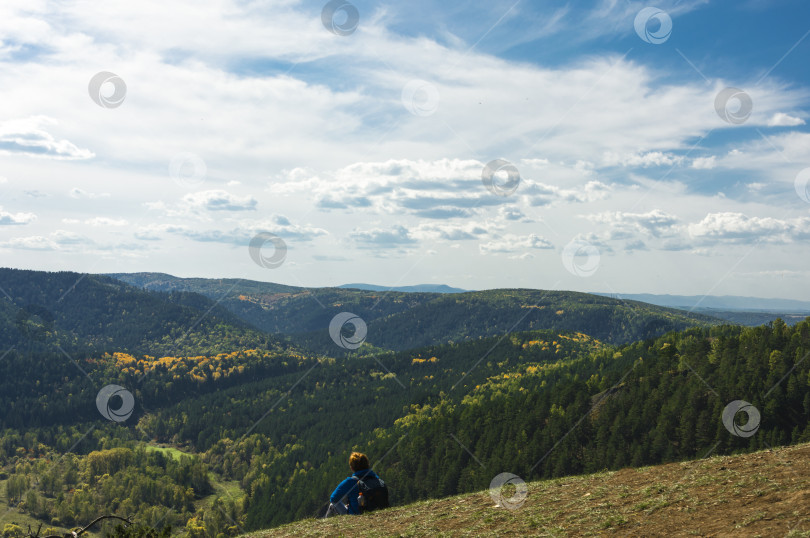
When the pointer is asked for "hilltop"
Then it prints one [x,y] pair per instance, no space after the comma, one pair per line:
[430,288]
[764,493]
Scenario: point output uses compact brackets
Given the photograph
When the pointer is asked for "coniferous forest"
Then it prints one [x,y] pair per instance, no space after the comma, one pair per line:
[234,425]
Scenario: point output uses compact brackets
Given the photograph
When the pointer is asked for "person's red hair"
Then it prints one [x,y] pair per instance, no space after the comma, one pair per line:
[358,461]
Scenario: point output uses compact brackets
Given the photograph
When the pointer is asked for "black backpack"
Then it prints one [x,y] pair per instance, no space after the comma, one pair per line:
[373,494]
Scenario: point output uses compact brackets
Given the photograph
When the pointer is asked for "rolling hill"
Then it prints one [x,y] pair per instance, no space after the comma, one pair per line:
[399,320]
[93,312]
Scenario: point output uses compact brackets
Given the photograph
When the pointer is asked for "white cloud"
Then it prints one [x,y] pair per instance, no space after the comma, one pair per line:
[79,194]
[541,194]
[105,221]
[28,137]
[625,225]
[780,119]
[704,163]
[219,200]
[770,156]
[151,232]
[241,234]
[57,240]
[642,160]
[199,205]
[509,213]
[511,243]
[442,189]
[659,230]
[756,186]
[382,239]
[737,227]
[15,219]
[452,232]
[35,242]
[537,162]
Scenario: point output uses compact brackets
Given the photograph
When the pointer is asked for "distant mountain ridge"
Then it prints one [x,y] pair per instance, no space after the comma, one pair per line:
[426,288]
[713,302]
[398,320]
[166,282]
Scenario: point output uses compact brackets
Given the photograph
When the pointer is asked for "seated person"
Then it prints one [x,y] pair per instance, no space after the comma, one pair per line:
[344,499]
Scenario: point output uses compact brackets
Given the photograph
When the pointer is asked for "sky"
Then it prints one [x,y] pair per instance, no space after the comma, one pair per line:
[611,146]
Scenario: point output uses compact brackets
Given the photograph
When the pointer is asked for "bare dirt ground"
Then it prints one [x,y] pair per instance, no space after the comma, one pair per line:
[761,494]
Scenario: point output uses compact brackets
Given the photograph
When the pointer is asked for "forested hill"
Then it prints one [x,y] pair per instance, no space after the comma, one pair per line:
[643,403]
[93,312]
[161,314]
[399,320]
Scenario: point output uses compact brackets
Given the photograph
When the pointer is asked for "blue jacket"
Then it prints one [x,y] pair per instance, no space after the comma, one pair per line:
[350,486]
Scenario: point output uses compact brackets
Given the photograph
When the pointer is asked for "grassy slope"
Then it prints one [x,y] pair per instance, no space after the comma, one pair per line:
[760,494]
